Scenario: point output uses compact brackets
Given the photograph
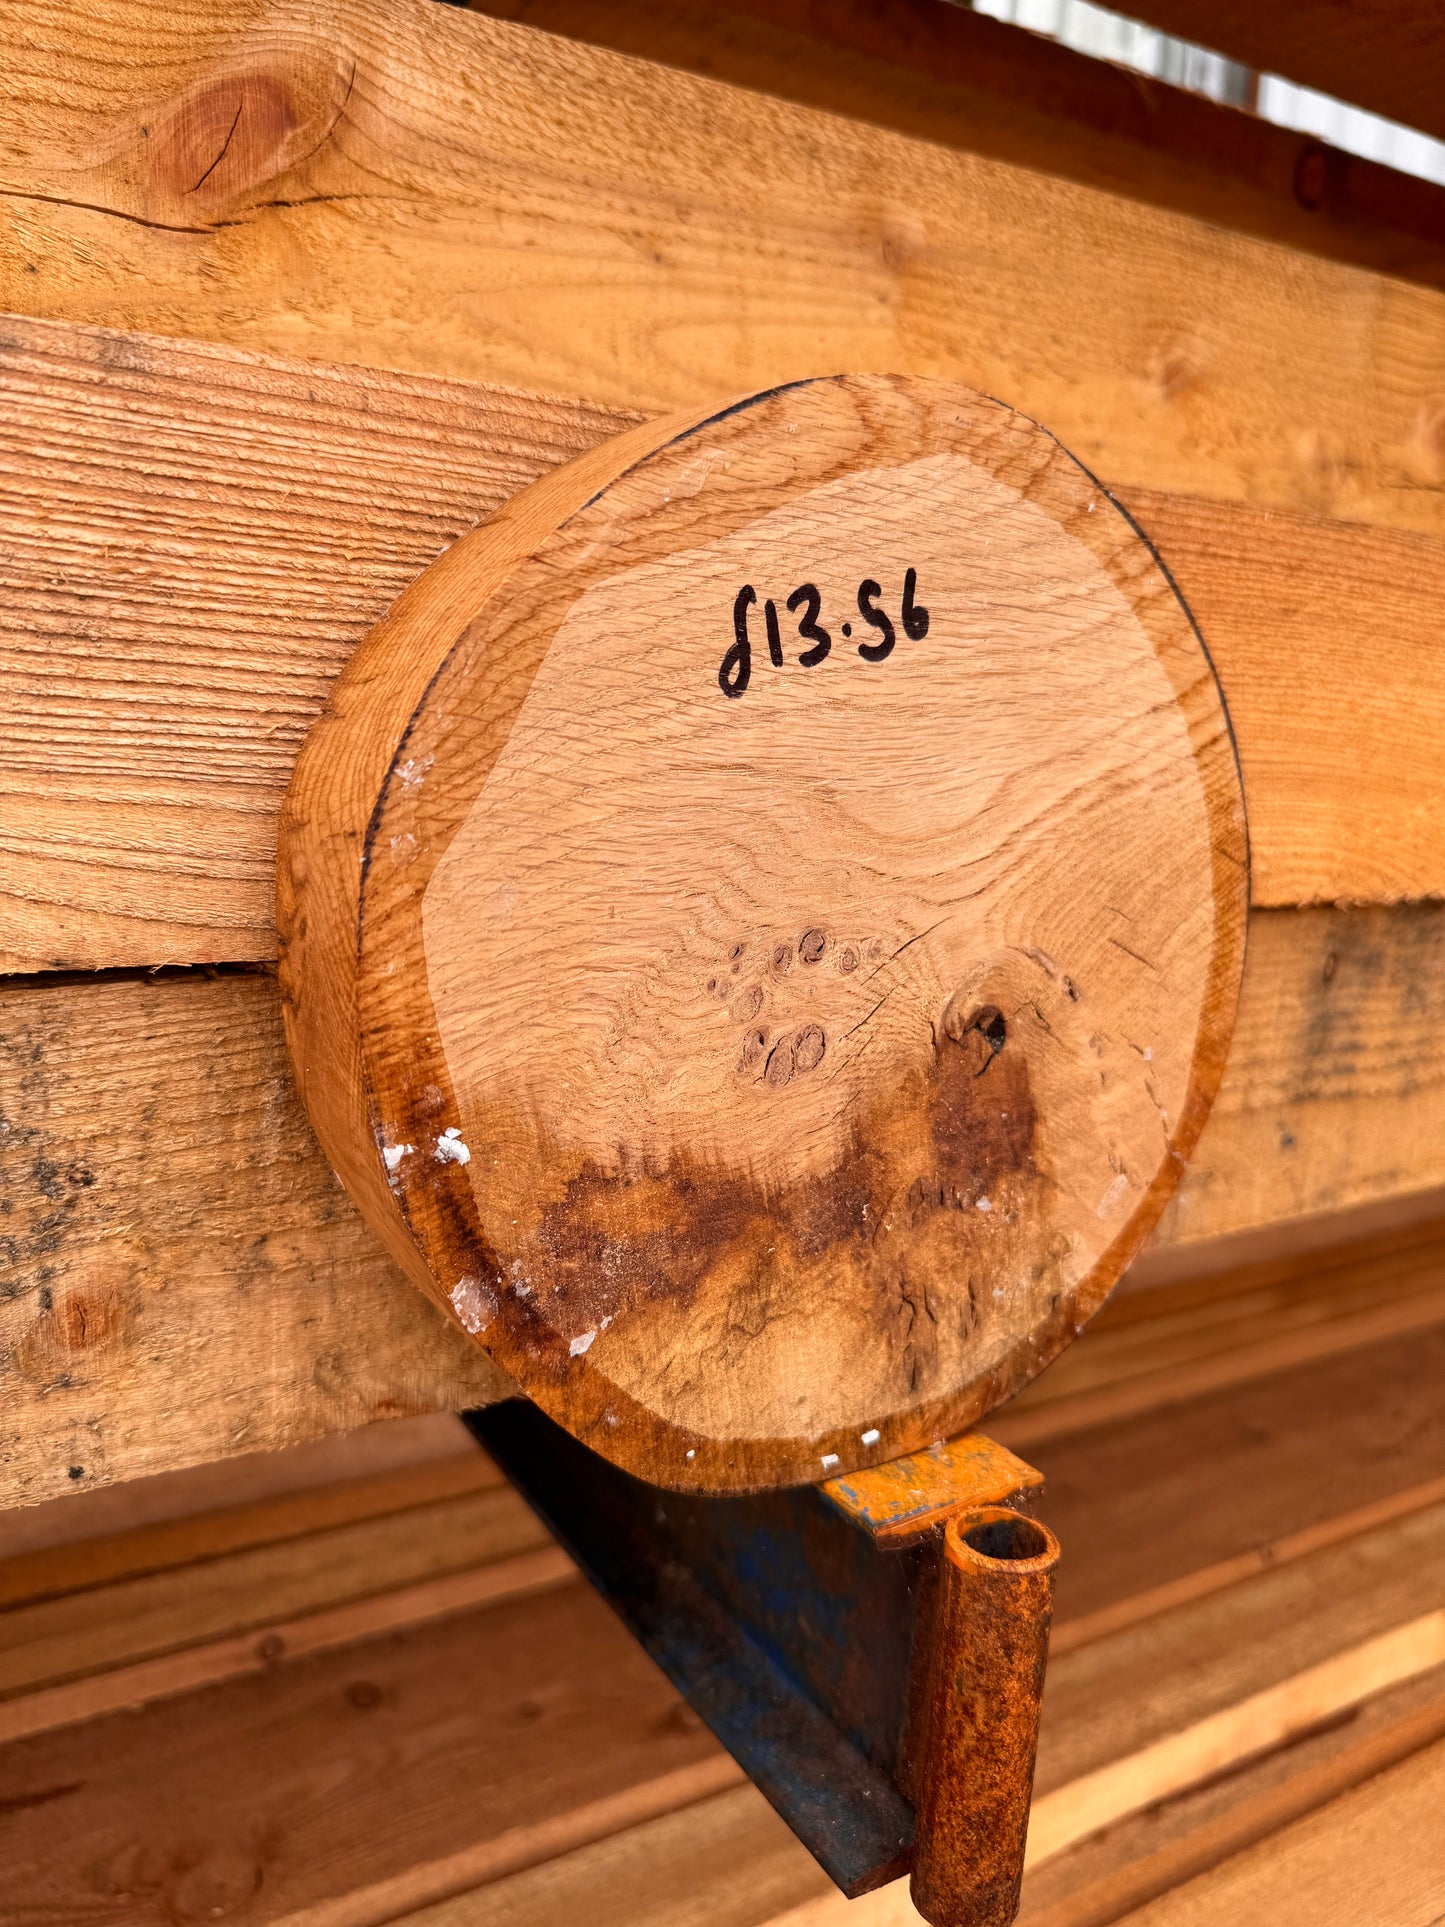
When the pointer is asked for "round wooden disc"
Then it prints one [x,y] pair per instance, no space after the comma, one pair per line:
[762,921]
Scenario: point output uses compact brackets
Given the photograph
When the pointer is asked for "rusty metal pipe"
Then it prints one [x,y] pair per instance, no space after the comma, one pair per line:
[974,1772]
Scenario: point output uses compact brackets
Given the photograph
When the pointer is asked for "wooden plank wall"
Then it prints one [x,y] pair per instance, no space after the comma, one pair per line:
[240,1693]
[447,196]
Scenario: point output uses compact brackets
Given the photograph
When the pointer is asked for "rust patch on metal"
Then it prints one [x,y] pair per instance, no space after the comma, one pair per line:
[976,1720]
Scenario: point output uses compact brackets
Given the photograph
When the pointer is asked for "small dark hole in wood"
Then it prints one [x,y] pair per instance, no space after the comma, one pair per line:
[993,1026]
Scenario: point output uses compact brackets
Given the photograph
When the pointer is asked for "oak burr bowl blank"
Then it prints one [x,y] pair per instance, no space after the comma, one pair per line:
[761,922]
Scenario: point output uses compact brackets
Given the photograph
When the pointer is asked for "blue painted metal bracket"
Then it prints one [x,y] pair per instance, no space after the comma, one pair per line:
[797,1623]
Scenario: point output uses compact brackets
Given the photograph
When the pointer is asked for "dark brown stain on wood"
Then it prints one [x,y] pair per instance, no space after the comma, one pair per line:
[956,1138]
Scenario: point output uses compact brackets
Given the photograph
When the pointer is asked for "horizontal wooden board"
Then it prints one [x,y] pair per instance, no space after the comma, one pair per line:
[1385,55]
[1377,1854]
[724,1862]
[1334,1091]
[419,187]
[103,1558]
[1213,1655]
[1295,1461]
[944,74]
[1324,639]
[232,1656]
[341,1471]
[1235,1325]
[1096,1883]
[185,1277]
[1272,1716]
[619,1826]
[728,1861]
[158,682]
[213,537]
[45,1642]
[188,1280]
[517,1729]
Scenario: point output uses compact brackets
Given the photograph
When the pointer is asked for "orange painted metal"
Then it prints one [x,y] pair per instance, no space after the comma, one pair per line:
[902,1502]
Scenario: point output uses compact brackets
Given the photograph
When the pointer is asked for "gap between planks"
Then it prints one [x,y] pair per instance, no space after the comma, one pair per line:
[98,1567]
[88,1565]
[260,1647]
[1294,1705]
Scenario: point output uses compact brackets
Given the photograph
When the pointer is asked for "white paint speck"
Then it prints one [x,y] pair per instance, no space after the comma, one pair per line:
[412,772]
[690,1453]
[520,1282]
[474,1303]
[985,1204]
[871,1436]
[450,1149]
[403,848]
[392,1154]
[1148,1053]
[1112,1196]
[830,1459]
[580,1343]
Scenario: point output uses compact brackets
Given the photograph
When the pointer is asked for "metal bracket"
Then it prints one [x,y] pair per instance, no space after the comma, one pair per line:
[870,1650]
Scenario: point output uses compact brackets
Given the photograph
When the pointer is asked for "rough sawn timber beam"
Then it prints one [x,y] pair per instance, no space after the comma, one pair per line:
[411,185]
[197,538]
[942,73]
[184,1278]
